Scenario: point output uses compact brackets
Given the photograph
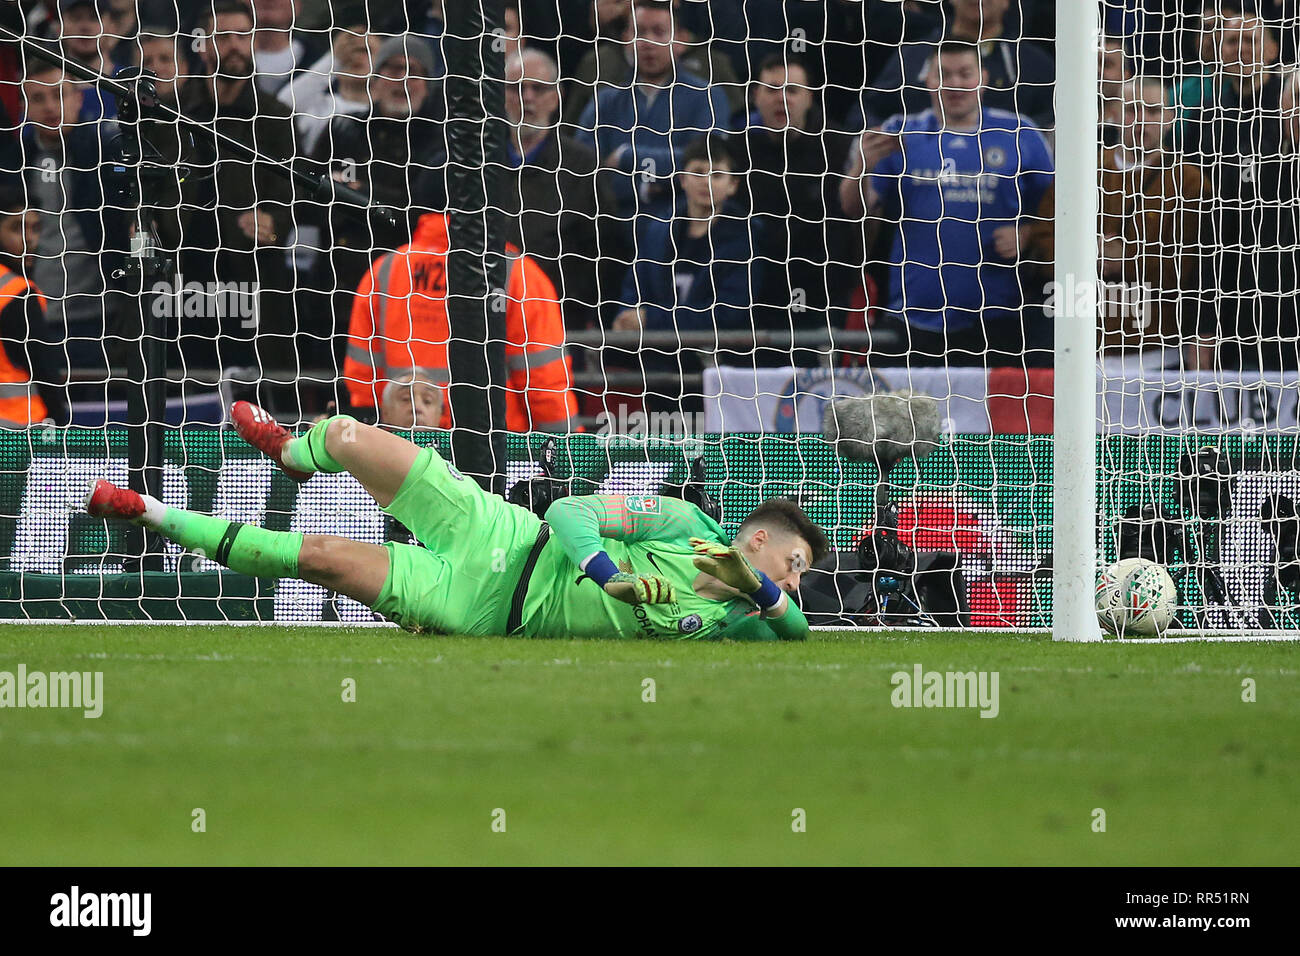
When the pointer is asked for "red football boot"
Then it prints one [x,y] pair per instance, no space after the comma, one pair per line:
[259,429]
[106,500]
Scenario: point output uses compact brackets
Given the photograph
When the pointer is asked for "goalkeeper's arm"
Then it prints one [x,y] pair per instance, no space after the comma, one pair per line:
[786,620]
[580,521]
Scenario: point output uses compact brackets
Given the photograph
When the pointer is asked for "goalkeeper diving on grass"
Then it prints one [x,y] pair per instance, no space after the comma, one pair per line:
[597,566]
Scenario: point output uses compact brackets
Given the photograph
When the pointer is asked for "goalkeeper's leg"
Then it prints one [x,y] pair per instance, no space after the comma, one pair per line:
[349,567]
[378,459]
[475,544]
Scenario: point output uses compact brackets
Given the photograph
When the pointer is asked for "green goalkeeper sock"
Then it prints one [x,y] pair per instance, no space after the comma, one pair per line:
[245,548]
[307,452]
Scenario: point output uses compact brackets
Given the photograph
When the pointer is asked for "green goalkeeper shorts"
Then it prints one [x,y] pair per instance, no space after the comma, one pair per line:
[475,547]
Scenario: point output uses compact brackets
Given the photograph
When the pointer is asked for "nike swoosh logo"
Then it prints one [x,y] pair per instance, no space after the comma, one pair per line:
[650,555]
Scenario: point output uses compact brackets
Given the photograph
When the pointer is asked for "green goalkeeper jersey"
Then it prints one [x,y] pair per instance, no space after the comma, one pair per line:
[646,534]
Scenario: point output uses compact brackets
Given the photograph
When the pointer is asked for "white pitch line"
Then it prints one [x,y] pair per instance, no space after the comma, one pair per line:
[89,622]
[1215,638]
[1183,637]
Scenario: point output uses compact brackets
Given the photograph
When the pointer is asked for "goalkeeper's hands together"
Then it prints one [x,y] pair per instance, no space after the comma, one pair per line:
[729,566]
[726,564]
[640,589]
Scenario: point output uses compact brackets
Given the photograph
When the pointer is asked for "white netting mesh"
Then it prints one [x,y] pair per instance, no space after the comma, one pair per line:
[715,217]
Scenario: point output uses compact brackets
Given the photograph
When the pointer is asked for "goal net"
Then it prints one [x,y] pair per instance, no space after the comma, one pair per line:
[671,233]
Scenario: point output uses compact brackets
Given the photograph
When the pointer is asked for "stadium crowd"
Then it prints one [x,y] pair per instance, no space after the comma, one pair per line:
[758,171]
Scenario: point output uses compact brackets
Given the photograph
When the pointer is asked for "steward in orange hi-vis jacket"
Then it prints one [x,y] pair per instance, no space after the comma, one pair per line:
[399,326]
[31,372]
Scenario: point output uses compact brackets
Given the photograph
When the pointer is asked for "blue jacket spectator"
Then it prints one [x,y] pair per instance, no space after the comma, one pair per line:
[639,130]
[611,63]
[694,273]
[693,283]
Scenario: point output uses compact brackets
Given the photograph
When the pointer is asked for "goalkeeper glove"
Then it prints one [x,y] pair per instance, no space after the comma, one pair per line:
[640,589]
[732,568]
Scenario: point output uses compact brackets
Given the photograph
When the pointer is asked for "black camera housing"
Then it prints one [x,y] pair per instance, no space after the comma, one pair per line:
[1155,532]
[1205,482]
[885,582]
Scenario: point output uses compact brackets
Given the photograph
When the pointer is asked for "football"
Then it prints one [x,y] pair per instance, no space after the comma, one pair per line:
[1135,597]
[1110,614]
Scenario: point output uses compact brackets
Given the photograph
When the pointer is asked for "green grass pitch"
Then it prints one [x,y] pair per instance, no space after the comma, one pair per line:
[250,725]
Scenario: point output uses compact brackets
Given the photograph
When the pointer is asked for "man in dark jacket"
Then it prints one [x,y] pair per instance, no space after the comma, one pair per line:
[241,219]
[383,152]
[555,211]
[811,263]
[1238,133]
[60,162]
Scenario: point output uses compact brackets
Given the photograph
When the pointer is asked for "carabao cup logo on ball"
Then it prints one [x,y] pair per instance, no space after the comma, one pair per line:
[1150,597]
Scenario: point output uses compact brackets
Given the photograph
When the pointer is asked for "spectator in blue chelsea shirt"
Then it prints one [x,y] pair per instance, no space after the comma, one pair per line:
[963,184]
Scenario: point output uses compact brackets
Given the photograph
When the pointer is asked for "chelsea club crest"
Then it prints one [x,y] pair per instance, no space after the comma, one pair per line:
[690,623]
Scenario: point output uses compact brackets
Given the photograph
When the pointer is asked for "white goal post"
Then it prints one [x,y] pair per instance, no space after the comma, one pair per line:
[1074,474]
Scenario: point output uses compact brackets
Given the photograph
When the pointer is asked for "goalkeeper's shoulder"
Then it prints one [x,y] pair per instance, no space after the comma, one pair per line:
[633,518]
[674,517]
[686,519]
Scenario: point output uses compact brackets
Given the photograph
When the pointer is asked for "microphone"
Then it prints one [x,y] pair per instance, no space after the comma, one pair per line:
[884,428]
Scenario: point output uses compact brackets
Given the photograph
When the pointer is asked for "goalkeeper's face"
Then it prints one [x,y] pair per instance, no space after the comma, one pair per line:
[782,556]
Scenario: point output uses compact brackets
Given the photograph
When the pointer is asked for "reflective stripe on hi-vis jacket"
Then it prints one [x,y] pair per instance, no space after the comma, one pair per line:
[19,402]
[399,327]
